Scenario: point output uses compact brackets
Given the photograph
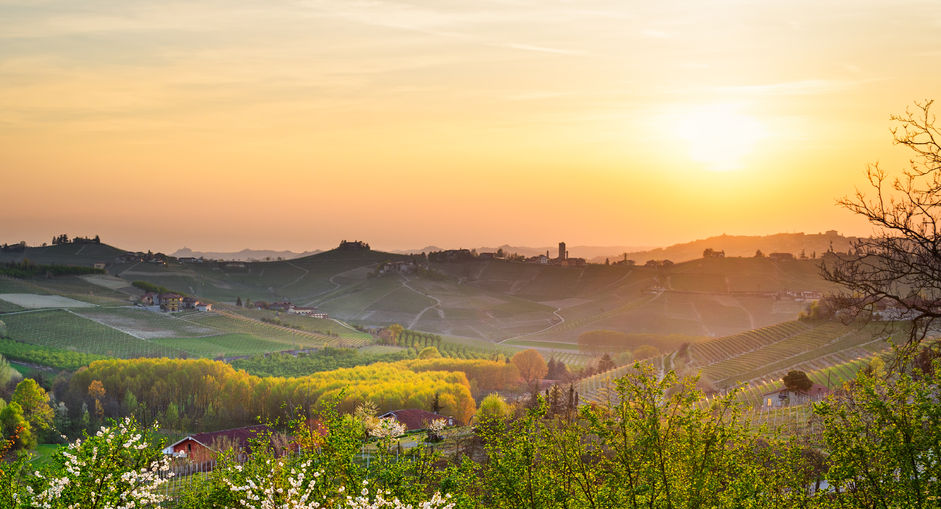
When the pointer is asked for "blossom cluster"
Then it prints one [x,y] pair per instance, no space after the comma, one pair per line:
[437,426]
[387,427]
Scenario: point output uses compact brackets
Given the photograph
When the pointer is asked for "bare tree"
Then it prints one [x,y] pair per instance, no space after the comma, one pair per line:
[898,268]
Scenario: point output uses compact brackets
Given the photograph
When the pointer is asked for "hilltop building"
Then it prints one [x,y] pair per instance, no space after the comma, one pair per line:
[353,245]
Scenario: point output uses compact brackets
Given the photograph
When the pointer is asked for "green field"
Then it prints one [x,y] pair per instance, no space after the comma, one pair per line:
[224,345]
[45,355]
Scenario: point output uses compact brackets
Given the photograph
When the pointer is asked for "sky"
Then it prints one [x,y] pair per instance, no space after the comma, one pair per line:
[220,125]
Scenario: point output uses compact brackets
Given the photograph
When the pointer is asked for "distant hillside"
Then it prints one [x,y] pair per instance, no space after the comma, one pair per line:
[587,252]
[741,245]
[85,254]
[243,255]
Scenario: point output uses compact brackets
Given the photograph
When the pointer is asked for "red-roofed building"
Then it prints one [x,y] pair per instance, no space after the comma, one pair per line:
[415,418]
[203,447]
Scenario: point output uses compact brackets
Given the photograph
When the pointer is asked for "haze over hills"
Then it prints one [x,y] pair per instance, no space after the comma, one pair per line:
[243,255]
[488,300]
[587,252]
[733,245]
[740,245]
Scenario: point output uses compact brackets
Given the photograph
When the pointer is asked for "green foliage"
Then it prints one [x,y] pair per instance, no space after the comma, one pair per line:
[797,381]
[35,404]
[429,352]
[493,407]
[26,269]
[16,427]
[883,438]
[7,373]
[3,330]
[46,355]
[150,287]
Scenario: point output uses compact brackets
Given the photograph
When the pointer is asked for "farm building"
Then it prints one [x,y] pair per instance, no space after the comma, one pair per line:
[784,397]
[415,418]
[203,447]
[203,306]
[307,311]
[171,302]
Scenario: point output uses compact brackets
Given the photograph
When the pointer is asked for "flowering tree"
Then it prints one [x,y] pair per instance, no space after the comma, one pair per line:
[118,467]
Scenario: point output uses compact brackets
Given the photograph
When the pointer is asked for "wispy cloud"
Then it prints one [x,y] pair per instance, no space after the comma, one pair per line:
[802,87]
[542,49]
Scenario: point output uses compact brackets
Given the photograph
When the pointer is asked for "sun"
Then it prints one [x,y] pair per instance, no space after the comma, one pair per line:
[719,136]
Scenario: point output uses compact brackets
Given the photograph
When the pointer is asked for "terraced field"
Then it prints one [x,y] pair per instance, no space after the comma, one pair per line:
[710,352]
[823,345]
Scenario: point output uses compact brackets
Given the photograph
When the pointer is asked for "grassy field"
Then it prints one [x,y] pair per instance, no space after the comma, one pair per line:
[555,345]
[223,345]
[6,307]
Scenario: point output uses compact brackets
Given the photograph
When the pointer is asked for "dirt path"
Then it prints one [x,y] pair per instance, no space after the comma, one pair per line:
[560,322]
[302,276]
[437,304]
[336,286]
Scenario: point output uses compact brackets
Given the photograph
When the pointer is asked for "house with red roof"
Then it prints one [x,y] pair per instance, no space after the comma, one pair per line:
[415,418]
[203,447]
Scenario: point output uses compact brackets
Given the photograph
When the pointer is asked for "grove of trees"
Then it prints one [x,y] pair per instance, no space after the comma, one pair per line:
[202,394]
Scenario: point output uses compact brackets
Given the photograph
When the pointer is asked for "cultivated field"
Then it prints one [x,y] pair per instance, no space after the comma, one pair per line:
[34,301]
[68,331]
[146,324]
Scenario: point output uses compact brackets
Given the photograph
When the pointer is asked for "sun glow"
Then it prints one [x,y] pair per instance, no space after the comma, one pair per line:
[718,136]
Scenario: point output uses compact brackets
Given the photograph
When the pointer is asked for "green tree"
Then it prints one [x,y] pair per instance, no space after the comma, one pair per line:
[429,352]
[34,403]
[16,427]
[797,381]
[883,438]
[492,407]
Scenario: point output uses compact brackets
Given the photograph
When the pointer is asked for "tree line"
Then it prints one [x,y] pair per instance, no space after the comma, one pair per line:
[203,394]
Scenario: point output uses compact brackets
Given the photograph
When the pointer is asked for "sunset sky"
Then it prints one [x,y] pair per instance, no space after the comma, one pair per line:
[291,125]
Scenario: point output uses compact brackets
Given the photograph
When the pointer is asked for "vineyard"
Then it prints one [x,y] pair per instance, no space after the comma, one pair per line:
[68,331]
[146,324]
[711,352]
[820,346]
[832,377]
